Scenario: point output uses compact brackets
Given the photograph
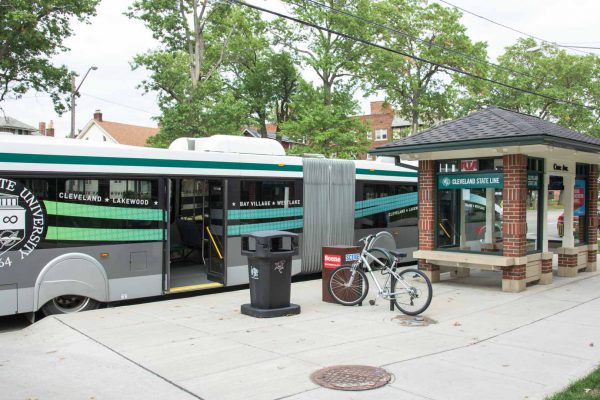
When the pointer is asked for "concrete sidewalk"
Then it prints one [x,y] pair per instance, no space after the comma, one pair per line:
[486,344]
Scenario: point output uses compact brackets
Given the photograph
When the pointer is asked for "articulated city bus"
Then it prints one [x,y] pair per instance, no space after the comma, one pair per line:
[84,223]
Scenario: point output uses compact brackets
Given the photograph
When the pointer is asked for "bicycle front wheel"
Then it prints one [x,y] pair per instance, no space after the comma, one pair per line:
[348,286]
[413,293]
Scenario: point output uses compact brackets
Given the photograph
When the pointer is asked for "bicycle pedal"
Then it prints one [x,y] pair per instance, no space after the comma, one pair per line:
[372,302]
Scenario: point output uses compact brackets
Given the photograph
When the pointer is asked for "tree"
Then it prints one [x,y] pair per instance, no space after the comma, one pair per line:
[186,71]
[332,57]
[31,32]
[421,91]
[325,129]
[265,80]
[553,72]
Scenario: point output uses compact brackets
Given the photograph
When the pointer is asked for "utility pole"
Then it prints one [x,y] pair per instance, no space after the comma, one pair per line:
[74,93]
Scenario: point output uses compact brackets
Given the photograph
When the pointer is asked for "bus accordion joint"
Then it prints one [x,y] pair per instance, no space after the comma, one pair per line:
[212,239]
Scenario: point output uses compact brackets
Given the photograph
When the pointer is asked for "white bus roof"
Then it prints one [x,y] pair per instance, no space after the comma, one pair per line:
[230,144]
[69,156]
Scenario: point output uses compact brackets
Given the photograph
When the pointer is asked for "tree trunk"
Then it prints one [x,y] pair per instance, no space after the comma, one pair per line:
[414,126]
[327,89]
[262,115]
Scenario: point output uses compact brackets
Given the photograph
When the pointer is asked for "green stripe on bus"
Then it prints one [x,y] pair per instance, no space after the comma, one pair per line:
[365,171]
[94,211]
[265,213]
[166,163]
[405,199]
[141,162]
[104,235]
[236,230]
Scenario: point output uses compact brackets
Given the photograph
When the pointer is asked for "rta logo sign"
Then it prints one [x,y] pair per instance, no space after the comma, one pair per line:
[469,165]
[446,182]
[22,219]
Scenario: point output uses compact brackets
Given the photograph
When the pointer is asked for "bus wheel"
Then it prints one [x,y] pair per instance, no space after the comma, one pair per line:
[69,304]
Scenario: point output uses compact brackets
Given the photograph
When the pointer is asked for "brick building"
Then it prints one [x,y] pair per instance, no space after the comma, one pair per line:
[484,183]
[385,125]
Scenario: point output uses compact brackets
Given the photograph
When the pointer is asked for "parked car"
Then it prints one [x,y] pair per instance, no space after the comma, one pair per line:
[560,224]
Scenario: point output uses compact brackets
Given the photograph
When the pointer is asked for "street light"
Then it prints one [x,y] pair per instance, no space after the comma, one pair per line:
[74,91]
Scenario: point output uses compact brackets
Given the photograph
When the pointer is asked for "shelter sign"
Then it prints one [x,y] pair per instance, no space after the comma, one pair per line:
[579,198]
[470,181]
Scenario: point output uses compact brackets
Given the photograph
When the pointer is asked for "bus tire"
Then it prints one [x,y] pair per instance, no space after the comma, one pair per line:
[69,304]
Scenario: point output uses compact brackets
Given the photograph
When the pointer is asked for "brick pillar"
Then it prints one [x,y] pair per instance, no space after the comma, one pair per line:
[427,194]
[514,224]
[592,223]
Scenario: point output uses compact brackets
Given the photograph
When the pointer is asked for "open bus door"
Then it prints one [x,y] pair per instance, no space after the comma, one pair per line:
[216,229]
[196,235]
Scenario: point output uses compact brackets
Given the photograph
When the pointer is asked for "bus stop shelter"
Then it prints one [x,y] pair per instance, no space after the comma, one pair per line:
[487,184]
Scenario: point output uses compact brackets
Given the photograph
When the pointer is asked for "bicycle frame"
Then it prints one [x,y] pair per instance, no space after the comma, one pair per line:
[381,290]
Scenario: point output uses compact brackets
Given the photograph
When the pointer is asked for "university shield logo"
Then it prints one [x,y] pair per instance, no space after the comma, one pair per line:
[12,223]
[22,219]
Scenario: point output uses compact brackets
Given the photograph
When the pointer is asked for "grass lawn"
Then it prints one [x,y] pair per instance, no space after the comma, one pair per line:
[587,388]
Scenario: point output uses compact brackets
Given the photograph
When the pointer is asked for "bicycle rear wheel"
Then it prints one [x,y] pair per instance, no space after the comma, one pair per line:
[414,293]
[348,286]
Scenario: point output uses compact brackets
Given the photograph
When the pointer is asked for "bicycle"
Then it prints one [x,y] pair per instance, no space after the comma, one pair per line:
[349,285]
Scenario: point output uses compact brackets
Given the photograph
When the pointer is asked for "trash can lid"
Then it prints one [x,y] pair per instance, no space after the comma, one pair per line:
[269,234]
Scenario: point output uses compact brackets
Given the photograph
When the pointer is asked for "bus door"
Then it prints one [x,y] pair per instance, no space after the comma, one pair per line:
[216,229]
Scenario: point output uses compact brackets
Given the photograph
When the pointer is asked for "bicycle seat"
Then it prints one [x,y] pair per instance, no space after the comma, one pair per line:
[397,254]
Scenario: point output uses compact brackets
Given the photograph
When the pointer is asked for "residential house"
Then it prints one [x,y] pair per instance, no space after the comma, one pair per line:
[15,127]
[385,125]
[97,129]
[271,134]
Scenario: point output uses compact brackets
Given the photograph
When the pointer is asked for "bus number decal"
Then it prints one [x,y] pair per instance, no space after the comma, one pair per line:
[6,262]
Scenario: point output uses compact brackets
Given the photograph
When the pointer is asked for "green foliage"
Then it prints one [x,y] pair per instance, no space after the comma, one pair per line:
[31,32]
[210,111]
[265,81]
[421,91]
[552,71]
[198,42]
[325,129]
[331,57]
[587,388]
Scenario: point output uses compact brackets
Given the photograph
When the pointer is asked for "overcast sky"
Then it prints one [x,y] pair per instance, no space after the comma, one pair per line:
[111,41]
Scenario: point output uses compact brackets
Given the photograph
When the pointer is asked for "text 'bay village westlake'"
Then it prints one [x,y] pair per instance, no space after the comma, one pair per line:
[268,203]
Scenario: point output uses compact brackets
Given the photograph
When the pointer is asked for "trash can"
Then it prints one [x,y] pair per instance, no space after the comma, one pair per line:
[333,257]
[270,273]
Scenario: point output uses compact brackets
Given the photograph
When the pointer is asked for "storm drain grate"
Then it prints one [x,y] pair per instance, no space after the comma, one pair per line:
[408,320]
[351,377]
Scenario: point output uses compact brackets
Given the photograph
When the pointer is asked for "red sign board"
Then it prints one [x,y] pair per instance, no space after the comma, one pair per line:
[469,165]
[332,260]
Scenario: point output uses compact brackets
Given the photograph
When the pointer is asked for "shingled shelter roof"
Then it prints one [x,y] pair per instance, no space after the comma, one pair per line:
[492,126]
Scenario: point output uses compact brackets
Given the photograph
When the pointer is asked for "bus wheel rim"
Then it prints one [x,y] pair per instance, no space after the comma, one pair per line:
[70,303]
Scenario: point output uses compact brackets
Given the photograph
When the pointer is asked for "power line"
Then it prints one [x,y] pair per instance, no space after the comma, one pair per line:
[578,47]
[405,54]
[85,94]
[426,42]
[510,28]
[116,103]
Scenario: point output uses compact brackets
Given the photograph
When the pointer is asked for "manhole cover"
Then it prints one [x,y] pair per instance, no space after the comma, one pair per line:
[408,320]
[351,377]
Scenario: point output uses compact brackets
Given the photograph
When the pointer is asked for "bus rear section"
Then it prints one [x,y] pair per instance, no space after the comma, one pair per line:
[67,244]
